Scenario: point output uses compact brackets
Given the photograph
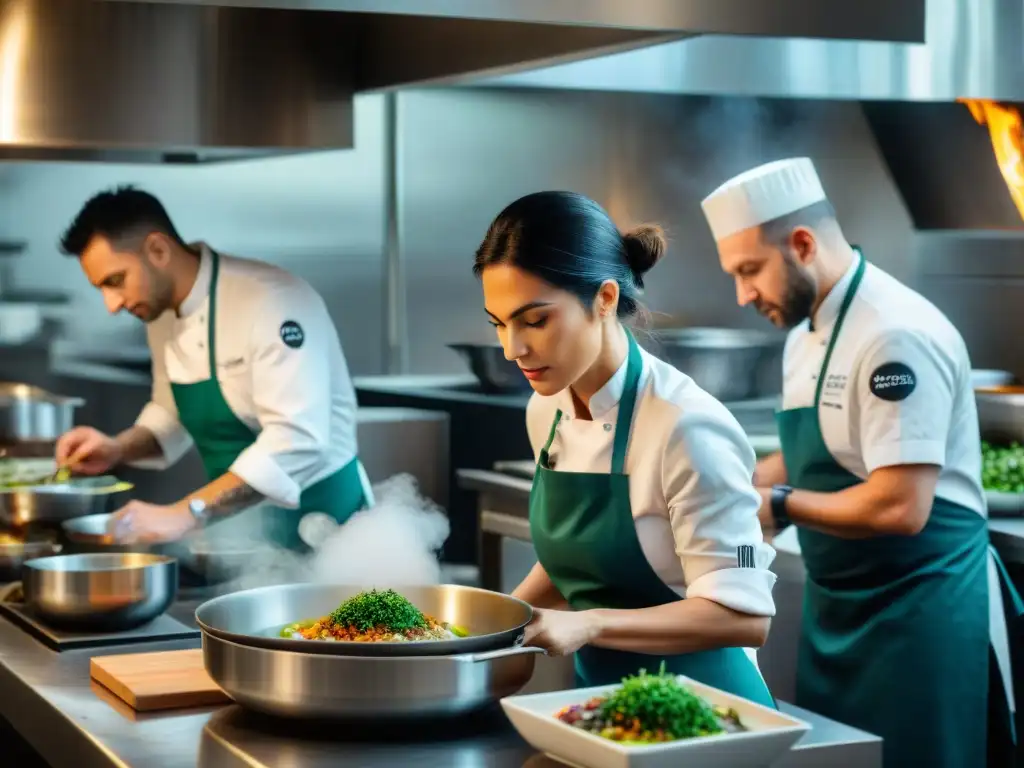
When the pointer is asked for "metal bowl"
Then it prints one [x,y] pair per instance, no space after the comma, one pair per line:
[254,617]
[103,592]
[29,413]
[492,370]
[729,363]
[1001,414]
[54,502]
[313,685]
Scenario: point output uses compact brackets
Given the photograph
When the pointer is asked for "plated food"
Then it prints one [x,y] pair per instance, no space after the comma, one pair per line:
[373,617]
[651,709]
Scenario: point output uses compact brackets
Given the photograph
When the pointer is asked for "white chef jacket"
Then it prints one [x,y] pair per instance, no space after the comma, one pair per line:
[690,468]
[869,416]
[298,399]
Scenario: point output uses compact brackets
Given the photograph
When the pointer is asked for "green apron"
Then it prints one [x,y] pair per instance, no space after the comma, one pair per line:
[585,538]
[220,436]
[895,636]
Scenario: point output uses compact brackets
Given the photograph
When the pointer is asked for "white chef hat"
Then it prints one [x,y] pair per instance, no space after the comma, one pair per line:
[761,195]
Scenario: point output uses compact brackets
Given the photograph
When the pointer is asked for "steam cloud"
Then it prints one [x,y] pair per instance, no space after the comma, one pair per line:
[395,542]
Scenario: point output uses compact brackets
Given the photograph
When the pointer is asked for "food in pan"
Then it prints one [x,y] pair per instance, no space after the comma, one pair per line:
[12,481]
[1002,467]
[651,709]
[374,617]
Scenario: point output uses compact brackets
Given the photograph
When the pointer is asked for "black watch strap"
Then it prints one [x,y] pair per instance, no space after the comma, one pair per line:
[779,495]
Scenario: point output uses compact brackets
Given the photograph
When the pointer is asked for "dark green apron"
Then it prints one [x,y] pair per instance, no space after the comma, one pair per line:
[585,537]
[220,436]
[895,636]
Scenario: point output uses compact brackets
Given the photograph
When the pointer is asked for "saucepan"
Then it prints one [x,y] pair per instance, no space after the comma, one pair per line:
[244,655]
[101,592]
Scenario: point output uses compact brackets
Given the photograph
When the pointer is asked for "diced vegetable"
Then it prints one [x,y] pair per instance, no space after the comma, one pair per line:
[1002,467]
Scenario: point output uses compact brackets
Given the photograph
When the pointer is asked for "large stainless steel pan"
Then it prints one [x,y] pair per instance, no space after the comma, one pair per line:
[314,685]
[255,617]
[105,592]
[47,502]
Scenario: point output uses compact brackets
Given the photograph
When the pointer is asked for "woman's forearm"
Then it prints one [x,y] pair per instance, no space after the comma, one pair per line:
[537,590]
[685,626]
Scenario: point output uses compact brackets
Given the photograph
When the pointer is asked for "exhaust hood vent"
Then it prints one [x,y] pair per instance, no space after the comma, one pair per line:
[200,81]
[944,165]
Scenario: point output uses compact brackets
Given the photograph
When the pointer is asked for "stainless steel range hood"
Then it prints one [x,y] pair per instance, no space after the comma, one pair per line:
[973,48]
[196,81]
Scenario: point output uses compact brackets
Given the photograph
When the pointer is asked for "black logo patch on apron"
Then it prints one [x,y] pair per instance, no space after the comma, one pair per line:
[291,334]
[893,382]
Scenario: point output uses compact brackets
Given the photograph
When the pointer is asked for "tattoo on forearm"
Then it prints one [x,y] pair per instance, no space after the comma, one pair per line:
[234,499]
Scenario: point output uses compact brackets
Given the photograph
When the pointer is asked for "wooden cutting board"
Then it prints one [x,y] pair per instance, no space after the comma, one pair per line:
[161,680]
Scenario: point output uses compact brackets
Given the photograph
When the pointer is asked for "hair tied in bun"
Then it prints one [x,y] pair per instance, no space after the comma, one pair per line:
[645,245]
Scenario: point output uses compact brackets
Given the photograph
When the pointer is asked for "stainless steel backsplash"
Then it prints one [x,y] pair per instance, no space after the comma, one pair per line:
[462,155]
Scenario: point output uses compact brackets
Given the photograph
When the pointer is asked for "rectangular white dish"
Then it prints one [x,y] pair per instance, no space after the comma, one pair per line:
[771,733]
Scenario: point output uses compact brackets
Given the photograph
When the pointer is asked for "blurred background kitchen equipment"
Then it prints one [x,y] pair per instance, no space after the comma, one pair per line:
[203,562]
[19,321]
[15,551]
[107,592]
[31,414]
[1001,413]
[729,363]
[985,378]
[494,372]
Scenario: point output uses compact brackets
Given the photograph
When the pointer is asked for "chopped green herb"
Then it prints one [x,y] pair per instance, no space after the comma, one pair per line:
[379,609]
[652,703]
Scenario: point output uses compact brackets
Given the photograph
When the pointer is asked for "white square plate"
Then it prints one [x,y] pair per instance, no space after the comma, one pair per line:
[770,734]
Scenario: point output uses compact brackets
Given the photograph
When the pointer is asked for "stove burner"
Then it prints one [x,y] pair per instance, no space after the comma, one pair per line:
[161,628]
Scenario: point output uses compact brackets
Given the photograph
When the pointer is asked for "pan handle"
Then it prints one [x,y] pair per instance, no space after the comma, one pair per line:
[501,653]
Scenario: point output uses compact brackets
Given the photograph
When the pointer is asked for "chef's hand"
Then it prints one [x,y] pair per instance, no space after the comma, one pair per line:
[560,632]
[93,451]
[140,523]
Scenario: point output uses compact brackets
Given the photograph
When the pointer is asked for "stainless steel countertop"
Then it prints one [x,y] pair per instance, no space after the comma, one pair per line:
[48,697]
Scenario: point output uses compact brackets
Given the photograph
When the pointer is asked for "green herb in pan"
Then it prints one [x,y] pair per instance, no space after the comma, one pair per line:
[376,608]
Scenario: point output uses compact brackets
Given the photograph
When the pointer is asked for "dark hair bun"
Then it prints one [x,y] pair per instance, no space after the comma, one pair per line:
[645,245]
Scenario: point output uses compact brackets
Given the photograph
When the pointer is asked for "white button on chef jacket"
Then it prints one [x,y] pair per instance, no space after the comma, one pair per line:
[300,400]
[690,467]
[889,330]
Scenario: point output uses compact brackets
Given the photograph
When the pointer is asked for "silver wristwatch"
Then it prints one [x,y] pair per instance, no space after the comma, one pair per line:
[199,511]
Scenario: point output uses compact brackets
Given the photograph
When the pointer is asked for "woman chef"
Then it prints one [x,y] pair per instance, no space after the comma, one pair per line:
[904,632]
[642,511]
[247,365]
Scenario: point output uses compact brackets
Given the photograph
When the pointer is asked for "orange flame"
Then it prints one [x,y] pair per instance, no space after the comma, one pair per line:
[1005,129]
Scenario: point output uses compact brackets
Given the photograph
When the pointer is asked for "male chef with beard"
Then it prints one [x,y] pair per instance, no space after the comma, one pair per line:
[904,633]
[247,366]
